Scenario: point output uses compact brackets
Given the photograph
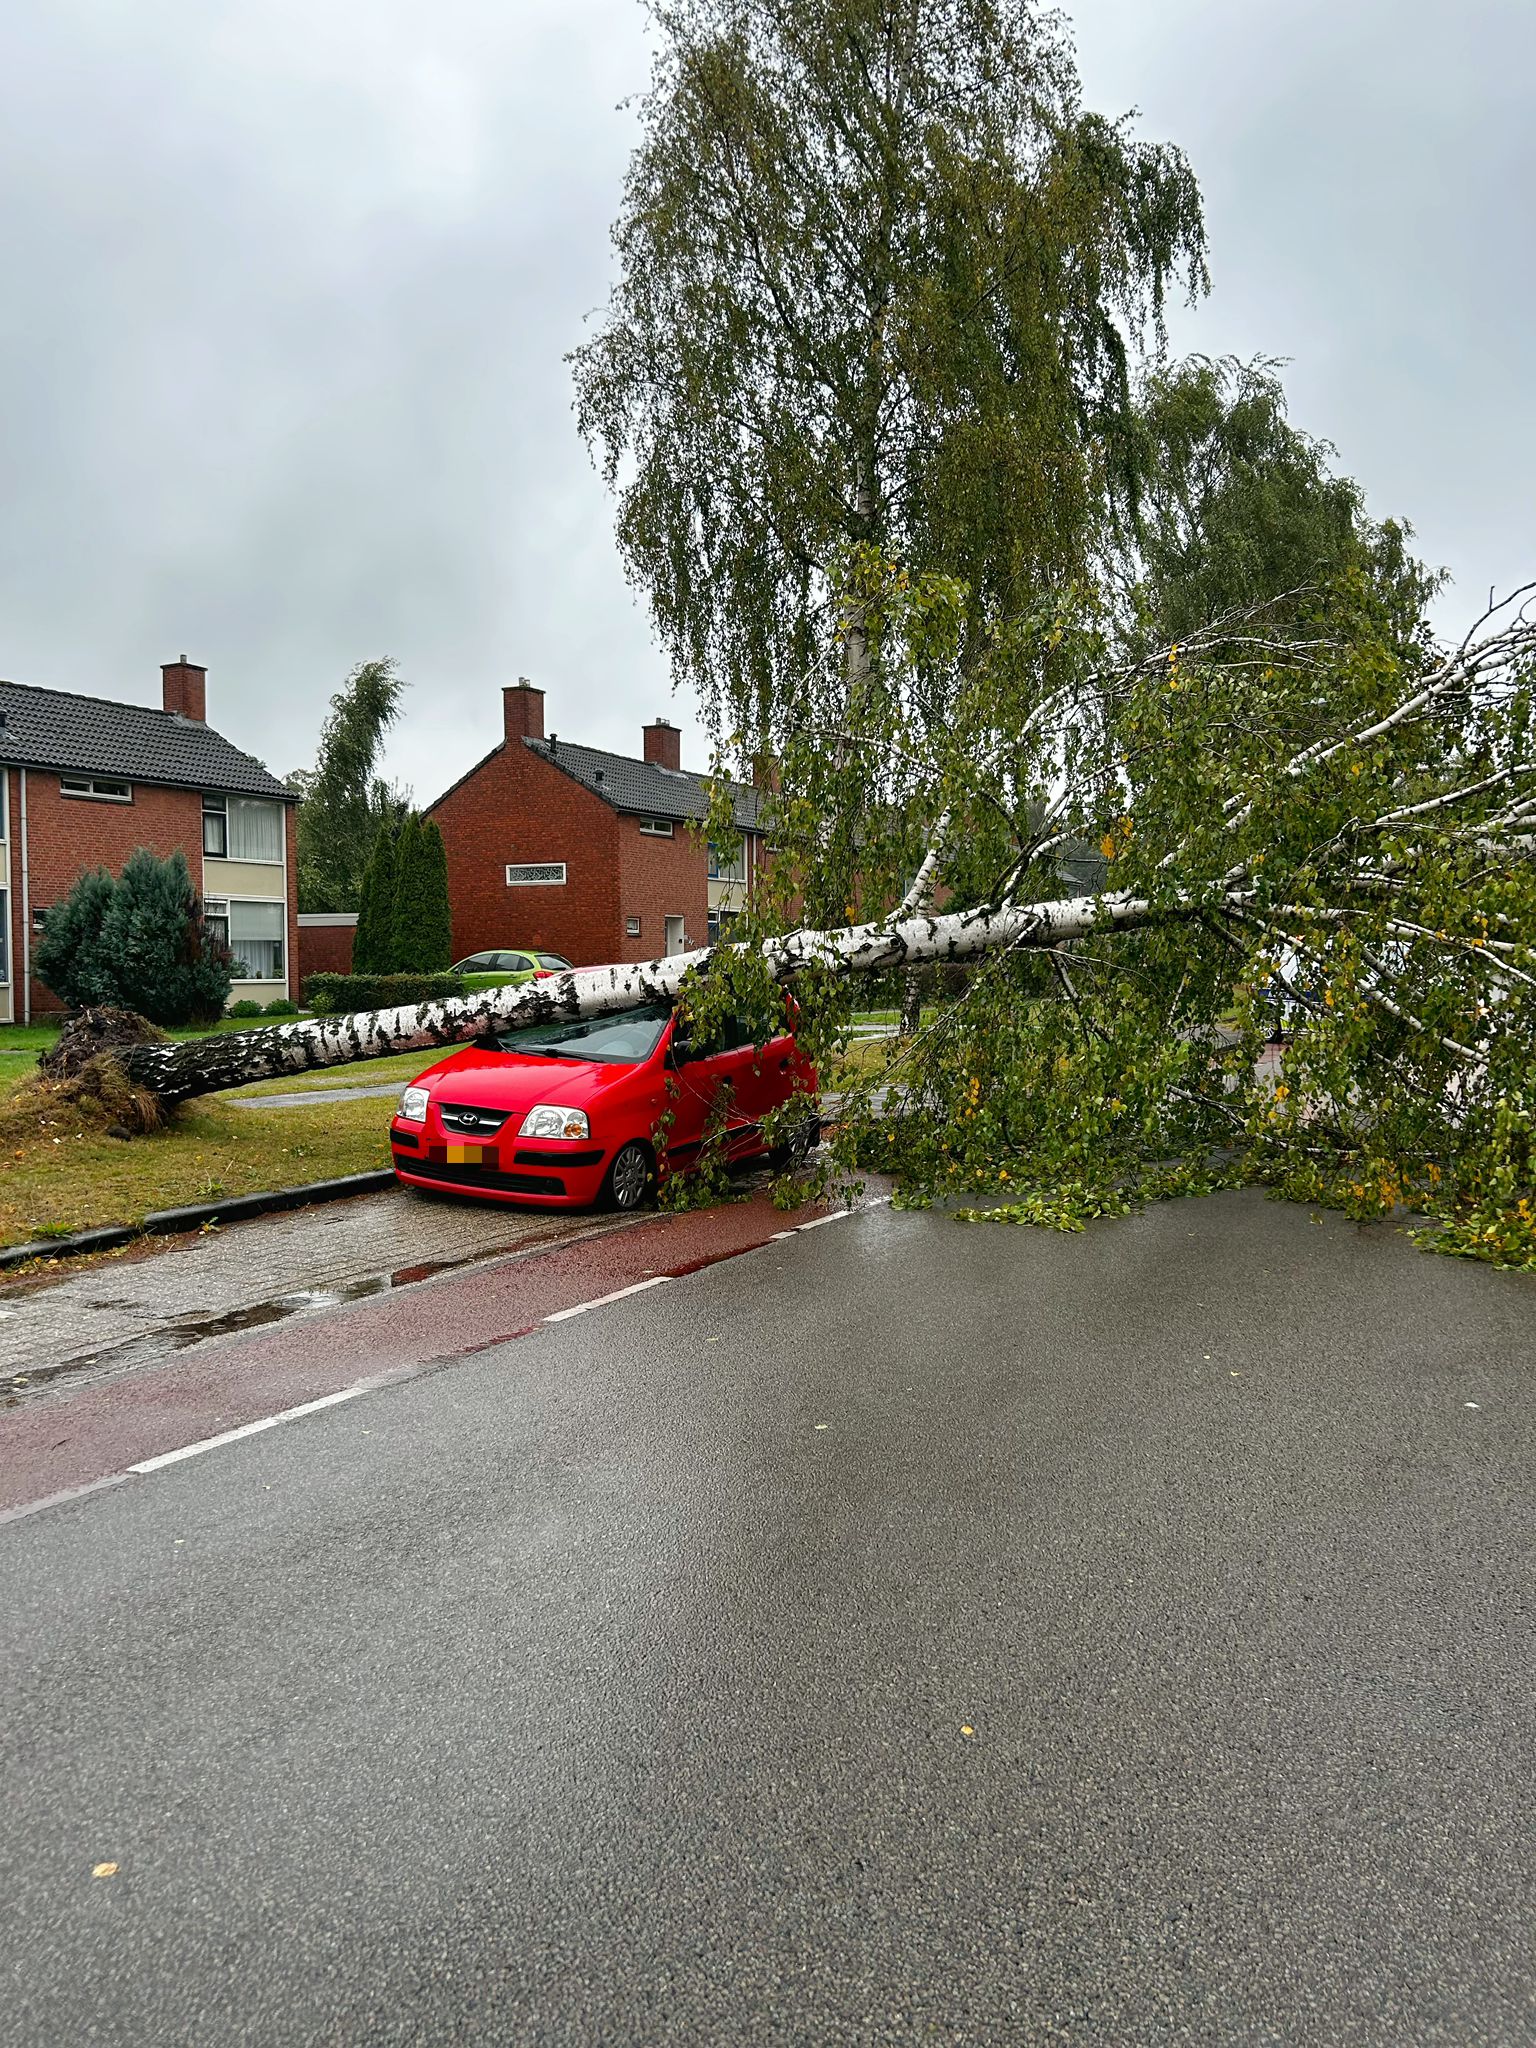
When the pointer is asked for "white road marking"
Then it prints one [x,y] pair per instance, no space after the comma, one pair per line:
[619,1294]
[232,1436]
[373,1385]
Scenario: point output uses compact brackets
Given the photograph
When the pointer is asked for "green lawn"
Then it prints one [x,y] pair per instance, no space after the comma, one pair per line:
[58,1177]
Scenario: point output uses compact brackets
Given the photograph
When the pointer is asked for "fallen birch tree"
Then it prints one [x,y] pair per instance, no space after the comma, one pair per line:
[1331,844]
[176,1072]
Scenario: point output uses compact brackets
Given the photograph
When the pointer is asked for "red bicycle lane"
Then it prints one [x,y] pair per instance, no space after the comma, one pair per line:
[67,1441]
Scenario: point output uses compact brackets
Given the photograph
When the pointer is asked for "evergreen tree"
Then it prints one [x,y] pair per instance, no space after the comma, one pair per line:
[373,942]
[436,951]
[411,898]
[69,957]
[155,949]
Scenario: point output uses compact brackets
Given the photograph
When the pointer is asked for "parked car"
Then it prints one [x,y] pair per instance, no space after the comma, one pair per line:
[569,1113]
[510,963]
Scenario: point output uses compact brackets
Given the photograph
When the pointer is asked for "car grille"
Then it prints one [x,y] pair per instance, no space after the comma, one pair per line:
[481,1177]
[468,1120]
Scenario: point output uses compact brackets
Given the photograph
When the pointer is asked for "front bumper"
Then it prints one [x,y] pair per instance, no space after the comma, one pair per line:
[529,1171]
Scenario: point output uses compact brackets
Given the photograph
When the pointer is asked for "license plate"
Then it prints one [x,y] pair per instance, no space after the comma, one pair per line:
[470,1155]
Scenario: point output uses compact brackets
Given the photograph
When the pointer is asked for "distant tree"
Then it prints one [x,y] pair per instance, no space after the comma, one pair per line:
[68,959]
[155,954]
[344,799]
[373,942]
[1238,506]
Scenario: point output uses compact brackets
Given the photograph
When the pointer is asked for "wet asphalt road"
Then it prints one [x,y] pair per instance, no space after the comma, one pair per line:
[900,1634]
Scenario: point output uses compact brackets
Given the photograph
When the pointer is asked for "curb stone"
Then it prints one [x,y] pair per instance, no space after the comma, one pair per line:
[169,1222]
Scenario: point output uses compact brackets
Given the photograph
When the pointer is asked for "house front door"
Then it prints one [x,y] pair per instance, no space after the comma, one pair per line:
[677,936]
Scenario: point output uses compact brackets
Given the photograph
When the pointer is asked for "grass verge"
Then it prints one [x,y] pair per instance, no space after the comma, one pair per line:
[58,1176]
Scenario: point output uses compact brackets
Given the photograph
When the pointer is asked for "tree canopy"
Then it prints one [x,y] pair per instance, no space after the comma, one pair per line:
[881,281]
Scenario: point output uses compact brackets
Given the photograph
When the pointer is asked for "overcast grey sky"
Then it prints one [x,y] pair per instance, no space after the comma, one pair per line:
[285,287]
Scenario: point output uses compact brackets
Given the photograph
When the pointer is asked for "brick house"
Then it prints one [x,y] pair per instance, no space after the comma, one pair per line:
[84,782]
[577,851]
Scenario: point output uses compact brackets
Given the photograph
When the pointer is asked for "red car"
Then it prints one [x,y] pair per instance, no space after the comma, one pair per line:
[568,1113]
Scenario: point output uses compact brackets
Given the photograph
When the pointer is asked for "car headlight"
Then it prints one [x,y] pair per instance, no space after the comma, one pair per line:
[549,1120]
[413,1106]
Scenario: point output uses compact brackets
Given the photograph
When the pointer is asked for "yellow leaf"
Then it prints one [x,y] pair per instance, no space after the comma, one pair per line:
[968,1730]
[1107,846]
[105,1870]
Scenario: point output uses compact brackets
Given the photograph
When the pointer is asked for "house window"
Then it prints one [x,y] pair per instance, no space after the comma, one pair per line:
[216,919]
[632,927]
[96,786]
[256,933]
[533,874]
[656,828]
[5,938]
[728,867]
[39,918]
[243,828]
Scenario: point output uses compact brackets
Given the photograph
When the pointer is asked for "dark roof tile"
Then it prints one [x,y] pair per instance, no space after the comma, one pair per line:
[646,790]
[94,736]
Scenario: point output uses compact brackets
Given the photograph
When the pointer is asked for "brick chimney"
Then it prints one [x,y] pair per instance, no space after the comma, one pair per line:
[663,744]
[184,688]
[523,709]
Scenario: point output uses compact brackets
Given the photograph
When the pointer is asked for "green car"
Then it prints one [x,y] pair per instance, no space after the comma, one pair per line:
[497,969]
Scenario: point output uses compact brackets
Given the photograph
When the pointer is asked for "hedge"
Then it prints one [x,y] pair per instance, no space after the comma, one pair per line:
[329,994]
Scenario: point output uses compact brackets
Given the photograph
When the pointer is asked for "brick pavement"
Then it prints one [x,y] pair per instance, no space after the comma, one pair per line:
[124,1311]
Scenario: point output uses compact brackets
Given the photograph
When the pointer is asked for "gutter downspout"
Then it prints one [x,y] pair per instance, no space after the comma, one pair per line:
[26,913]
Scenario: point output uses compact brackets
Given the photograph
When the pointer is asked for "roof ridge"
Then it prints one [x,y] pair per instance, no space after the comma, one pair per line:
[113,703]
[703,775]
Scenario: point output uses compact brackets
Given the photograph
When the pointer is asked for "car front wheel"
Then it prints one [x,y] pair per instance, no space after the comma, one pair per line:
[630,1178]
[797,1147]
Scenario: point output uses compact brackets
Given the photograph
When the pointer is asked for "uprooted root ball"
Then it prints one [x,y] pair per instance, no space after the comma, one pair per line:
[98,1097]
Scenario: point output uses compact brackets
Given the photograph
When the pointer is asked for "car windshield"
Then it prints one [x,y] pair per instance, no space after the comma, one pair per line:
[615,1041]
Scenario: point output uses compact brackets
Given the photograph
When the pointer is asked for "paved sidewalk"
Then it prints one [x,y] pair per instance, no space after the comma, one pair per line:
[109,1318]
[308,1098]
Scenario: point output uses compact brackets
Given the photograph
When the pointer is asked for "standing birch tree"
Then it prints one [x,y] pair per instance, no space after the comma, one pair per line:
[882,281]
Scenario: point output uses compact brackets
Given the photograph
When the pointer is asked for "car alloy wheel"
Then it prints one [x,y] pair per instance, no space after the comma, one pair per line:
[629,1177]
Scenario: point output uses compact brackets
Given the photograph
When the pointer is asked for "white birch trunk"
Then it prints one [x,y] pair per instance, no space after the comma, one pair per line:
[176,1072]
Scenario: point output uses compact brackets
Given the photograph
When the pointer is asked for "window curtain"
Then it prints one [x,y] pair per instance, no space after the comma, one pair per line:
[256,940]
[255,829]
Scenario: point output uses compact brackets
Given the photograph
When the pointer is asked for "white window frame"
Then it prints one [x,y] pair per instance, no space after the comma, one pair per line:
[5,799]
[5,924]
[656,828]
[122,793]
[266,903]
[535,874]
[632,927]
[216,805]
